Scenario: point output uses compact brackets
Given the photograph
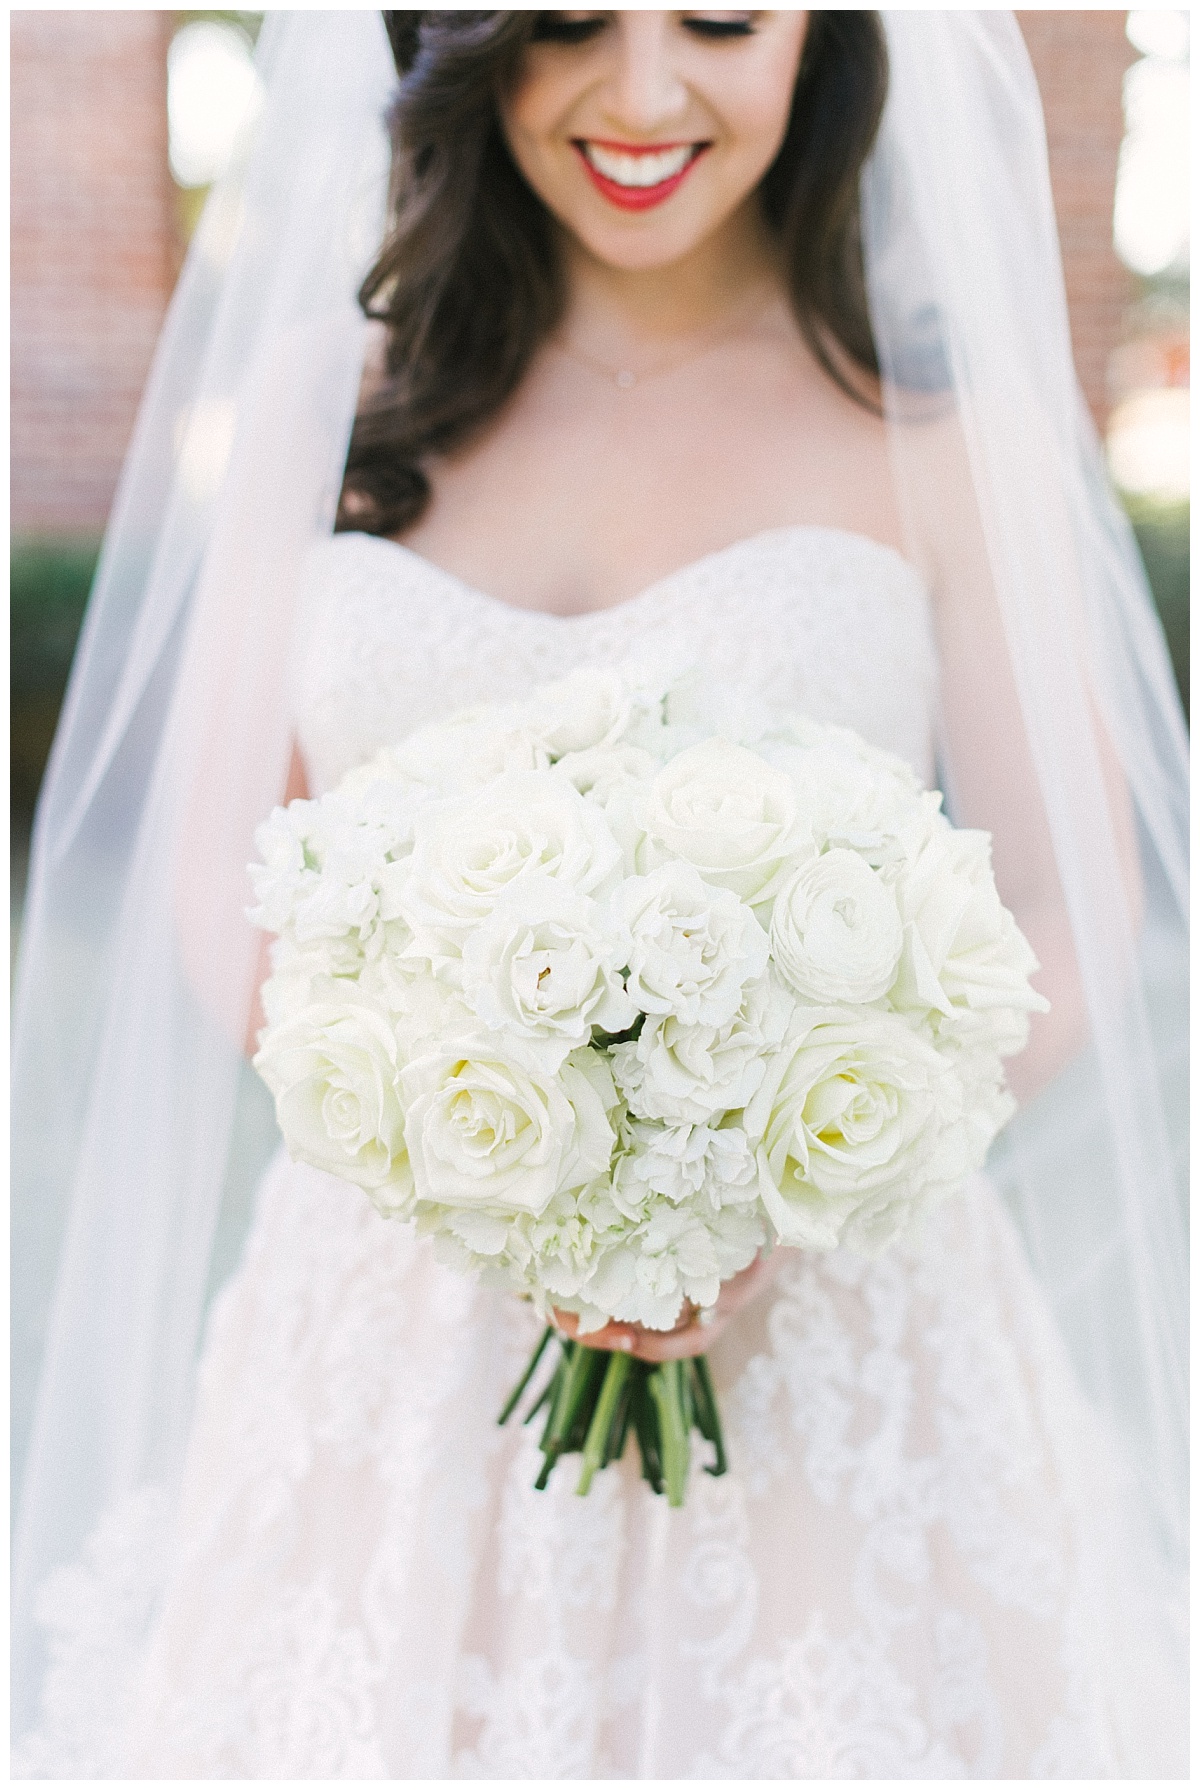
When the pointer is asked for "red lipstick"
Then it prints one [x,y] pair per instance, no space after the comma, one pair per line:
[638,198]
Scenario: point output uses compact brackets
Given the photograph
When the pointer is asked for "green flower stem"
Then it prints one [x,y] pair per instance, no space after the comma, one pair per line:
[523,1382]
[595,1448]
[552,1429]
[571,1401]
[595,1397]
[646,1427]
[708,1415]
[614,1446]
[667,1390]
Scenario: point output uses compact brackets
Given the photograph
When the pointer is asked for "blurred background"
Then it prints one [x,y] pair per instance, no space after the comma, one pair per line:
[120,121]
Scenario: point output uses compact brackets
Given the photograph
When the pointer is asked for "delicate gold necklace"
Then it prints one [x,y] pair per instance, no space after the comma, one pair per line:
[625,378]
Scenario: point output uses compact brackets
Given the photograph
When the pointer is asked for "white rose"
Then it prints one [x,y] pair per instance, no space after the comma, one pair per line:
[544,968]
[483,1130]
[380,793]
[835,930]
[456,756]
[469,850]
[691,949]
[604,771]
[728,813]
[334,1070]
[964,957]
[586,710]
[851,1109]
[615,780]
[687,1073]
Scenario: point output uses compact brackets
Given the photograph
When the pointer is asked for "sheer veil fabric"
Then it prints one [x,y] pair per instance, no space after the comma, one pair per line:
[1060,732]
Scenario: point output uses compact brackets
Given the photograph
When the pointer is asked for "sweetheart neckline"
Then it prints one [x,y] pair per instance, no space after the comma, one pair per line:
[654,589]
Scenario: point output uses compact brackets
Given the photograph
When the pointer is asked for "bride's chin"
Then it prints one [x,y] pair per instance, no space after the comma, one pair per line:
[654,247]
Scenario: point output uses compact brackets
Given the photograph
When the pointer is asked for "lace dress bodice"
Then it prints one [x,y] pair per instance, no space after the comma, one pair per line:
[810,618]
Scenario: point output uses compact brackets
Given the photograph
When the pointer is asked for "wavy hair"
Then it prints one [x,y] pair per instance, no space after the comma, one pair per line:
[468,285]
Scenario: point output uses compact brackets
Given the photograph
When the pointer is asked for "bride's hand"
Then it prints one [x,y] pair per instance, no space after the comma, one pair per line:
[689,1337]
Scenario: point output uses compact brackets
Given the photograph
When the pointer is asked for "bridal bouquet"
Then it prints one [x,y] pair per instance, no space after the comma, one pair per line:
[610,990]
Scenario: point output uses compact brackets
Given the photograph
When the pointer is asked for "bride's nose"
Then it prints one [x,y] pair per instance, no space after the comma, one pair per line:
[644,90]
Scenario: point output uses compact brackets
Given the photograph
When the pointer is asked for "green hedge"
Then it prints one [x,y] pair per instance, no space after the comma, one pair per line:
[49,588]
[1164,535]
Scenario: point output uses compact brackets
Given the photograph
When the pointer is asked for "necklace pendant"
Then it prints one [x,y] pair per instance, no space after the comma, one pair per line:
[624,379]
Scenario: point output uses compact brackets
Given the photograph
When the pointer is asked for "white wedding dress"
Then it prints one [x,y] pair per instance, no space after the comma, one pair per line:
[894,1578]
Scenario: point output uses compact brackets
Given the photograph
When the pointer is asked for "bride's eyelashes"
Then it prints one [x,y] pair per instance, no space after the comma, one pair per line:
[568,27]
[582,27]
[719,25]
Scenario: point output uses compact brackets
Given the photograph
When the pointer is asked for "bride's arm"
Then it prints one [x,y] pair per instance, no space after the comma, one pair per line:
[297,785]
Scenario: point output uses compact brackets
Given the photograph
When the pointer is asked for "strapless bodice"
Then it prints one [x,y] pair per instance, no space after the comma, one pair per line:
[800,617]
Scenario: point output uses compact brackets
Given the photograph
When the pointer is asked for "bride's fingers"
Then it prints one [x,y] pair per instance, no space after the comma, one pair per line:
[688,1337]
[613,1336]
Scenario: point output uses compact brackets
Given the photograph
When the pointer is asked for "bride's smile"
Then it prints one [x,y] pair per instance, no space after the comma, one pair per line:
[644,132]
[635,177]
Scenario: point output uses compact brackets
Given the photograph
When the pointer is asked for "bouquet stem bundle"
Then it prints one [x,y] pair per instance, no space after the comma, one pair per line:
[594,1397]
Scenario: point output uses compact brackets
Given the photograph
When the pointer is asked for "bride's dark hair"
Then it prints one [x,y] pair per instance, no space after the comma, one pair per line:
[467,282]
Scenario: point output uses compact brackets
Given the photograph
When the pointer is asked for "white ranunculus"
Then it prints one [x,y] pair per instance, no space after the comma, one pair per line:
[686,1074]
[835,930]
[544,968]
[334,1069]
[851,1109]
[588,709]
[484,1130]
[691,948]
[730,814]
[964,957]
[469,850]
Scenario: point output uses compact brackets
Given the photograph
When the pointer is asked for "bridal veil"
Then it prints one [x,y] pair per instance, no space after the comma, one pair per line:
[136,977]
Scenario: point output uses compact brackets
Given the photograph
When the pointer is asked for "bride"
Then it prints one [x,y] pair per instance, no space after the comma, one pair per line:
[723,340]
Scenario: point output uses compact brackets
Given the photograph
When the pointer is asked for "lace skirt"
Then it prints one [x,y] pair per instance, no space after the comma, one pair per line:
[901,1575]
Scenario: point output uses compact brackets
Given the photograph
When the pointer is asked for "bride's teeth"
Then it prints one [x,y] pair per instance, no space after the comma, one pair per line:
[639,170]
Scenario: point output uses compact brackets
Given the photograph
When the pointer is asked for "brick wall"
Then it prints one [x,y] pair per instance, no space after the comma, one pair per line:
[93,252]
[1079,59]
[94,247]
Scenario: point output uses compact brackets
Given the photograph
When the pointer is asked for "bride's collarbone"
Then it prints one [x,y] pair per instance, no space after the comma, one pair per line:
[571,514]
